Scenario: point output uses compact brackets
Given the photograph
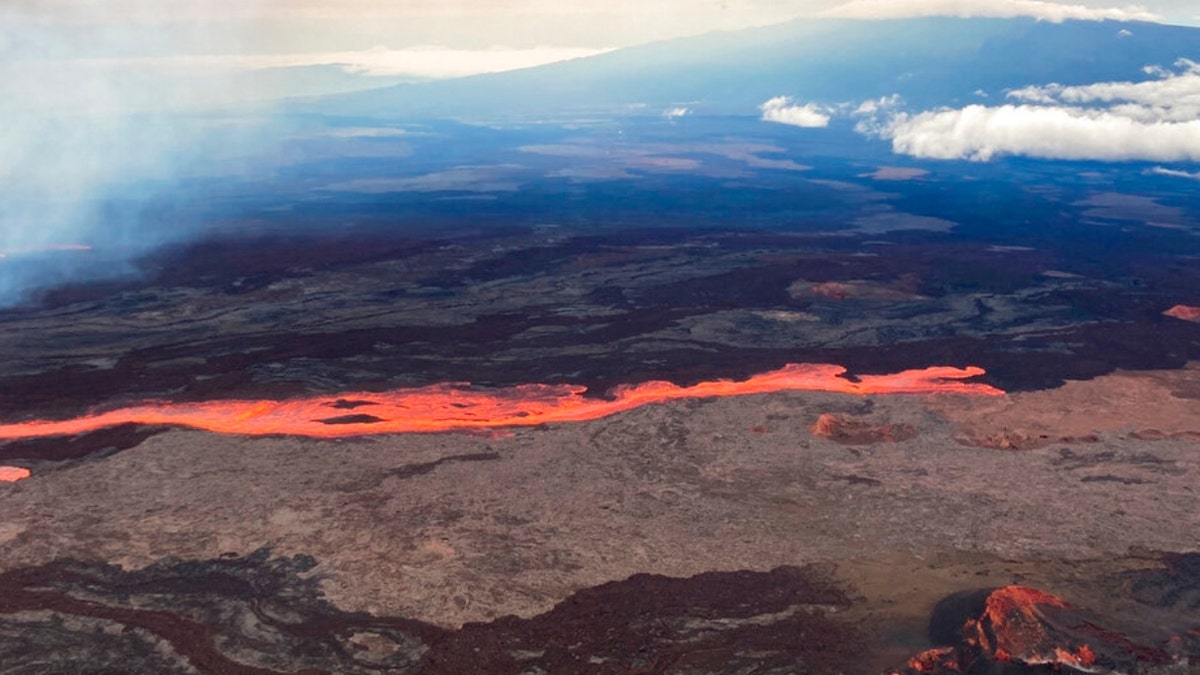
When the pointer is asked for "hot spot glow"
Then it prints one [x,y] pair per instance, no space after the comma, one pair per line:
[12,474]
[1184,312]
[447,407]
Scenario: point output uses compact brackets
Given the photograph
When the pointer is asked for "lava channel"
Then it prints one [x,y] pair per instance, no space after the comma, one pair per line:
[446,407]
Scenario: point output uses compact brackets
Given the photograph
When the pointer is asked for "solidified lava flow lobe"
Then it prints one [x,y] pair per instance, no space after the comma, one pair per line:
[446,407]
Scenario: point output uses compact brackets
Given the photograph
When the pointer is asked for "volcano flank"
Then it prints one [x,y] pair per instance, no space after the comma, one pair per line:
[839,347]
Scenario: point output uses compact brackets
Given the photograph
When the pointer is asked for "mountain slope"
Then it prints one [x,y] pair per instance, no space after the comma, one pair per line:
[931,62]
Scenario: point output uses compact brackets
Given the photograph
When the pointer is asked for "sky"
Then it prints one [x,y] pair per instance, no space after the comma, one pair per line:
[440,38]
[89,88]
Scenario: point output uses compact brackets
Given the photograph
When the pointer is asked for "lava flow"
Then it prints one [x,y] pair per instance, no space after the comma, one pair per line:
[447,407]
[12,474]
[1184,313]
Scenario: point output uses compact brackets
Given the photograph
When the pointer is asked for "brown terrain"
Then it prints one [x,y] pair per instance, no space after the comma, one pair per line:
[846,529]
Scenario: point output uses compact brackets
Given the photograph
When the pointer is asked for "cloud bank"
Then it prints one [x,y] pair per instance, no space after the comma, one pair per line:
[1173,97]
[1005,9]
[781,109]
[1163,171]
[981,133]
[1153,120]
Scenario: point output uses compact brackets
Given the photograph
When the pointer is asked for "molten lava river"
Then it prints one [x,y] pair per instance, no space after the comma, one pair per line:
[446,407]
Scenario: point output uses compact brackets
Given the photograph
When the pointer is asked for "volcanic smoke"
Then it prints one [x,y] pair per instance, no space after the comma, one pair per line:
[446,407]
[44,249]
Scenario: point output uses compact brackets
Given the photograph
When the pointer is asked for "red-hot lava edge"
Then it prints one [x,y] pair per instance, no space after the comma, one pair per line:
[446,407]
[12,474]
[1028,627]
[1184,313]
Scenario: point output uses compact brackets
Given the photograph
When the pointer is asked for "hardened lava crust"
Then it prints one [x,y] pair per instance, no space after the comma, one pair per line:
[778,530]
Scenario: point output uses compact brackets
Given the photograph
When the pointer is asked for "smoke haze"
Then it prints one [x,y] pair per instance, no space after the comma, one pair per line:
[87,145]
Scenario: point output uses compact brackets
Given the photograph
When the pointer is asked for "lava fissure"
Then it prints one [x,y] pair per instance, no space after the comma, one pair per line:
[446,407]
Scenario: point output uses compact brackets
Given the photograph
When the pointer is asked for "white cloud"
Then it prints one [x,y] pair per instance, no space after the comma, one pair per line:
[980,133]
[160,11]
[1162,171]
[676,113]
[1154,120]
[324,25]
[873,114]
[1039,9]
[877,105]
[781,109]
[1173,97]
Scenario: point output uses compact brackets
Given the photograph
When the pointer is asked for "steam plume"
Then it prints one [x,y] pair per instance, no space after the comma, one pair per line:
[86,144]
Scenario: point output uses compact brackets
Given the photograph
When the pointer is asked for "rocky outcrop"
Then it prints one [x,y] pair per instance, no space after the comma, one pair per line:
[856,431]
[1146,405]
[261,615]
[1018,630]
[1176,584]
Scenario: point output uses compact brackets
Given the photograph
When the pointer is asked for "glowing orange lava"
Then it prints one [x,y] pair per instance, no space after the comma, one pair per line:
[1014,626]
[12,474]
[1184,312]
[447,407]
